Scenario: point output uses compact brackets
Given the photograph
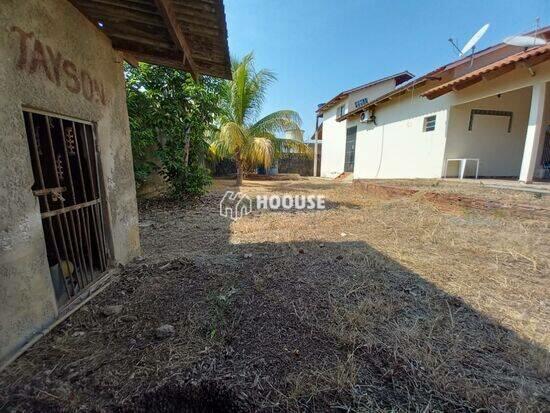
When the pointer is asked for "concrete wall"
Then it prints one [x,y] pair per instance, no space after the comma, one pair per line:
[499,151]
[334,133]
[54,60]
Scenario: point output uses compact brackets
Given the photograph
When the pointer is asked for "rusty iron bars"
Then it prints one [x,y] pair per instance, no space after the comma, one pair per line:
[66,173]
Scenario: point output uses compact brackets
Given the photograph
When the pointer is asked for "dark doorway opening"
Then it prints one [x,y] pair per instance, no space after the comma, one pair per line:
[66,183]
[349,160]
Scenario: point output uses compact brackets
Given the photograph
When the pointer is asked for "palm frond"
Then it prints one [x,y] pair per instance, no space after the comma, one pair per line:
[246,93]
[253,142]
[257,90]
[294,146]
[277,122]
[259,151]
[230,138]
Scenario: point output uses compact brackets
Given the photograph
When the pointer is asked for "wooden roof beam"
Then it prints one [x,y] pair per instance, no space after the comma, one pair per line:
[166,9]
[131,59]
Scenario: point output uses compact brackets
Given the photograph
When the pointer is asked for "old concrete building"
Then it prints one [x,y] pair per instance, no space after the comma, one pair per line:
[67,196]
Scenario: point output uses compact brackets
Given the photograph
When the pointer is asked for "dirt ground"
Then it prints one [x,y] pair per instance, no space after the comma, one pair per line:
[484,189]
[369,305]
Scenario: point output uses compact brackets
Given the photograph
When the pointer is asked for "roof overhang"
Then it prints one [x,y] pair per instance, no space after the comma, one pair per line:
[528,59]
[465,80]
[543,32]
[190,35]
[385,98]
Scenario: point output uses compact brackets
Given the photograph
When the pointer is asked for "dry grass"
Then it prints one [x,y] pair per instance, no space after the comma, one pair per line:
[370,305]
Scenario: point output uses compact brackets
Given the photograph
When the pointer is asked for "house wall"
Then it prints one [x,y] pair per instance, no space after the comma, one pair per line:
[397,147]
[371,92]
[539,171]
[499,151]
[334,143]
[334,133]
[48,49]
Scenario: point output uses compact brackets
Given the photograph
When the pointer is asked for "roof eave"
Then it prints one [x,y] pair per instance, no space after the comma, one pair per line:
[402,76]
[533,56]
[384,98]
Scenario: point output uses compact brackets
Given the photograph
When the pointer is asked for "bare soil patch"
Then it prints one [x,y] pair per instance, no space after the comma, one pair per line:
[482,189]
[370,305]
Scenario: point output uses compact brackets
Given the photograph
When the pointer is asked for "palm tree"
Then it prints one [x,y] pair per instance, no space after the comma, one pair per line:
[240,135]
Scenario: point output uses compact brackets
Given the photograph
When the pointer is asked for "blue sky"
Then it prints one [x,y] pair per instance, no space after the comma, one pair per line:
[319,48]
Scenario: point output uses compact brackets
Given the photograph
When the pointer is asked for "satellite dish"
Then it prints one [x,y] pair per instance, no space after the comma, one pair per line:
[524,41]
[473,41]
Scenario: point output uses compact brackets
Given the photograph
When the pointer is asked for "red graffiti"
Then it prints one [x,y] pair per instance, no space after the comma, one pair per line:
[35,57]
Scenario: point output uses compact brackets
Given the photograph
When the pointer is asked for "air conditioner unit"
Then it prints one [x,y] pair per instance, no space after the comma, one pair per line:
[367,116]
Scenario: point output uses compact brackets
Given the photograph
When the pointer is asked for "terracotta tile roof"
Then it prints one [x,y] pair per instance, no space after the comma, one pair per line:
[433,75]
[532,56]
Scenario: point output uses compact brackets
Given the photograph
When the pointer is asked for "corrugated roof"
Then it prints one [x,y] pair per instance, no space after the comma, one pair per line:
[535,55]
[399,79]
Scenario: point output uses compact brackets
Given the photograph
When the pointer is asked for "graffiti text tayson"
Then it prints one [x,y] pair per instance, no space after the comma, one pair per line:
[36,57]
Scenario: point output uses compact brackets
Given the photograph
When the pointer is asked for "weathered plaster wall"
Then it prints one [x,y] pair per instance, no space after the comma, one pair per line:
[54,60]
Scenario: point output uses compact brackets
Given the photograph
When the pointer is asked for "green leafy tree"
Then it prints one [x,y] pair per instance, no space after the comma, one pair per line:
[169,116]
[251,142]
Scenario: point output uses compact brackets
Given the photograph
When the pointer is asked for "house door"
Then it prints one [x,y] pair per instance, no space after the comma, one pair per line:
[349,159]
[66,183]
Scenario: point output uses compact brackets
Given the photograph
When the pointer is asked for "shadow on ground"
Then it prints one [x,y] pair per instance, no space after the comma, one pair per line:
[301,326]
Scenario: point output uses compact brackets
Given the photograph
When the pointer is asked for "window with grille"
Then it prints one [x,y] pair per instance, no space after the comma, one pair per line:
[429,124]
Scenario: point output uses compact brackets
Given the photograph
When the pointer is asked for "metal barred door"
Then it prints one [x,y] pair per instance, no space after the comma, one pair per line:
[66,182]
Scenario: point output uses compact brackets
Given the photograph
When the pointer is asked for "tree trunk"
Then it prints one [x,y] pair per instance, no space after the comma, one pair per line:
[239,165]
[187,147]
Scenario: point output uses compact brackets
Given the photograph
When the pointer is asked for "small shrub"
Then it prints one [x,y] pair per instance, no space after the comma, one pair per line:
[186,181]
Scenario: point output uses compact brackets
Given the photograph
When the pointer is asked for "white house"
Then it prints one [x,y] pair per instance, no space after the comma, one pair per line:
[335,158]
[488,113]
